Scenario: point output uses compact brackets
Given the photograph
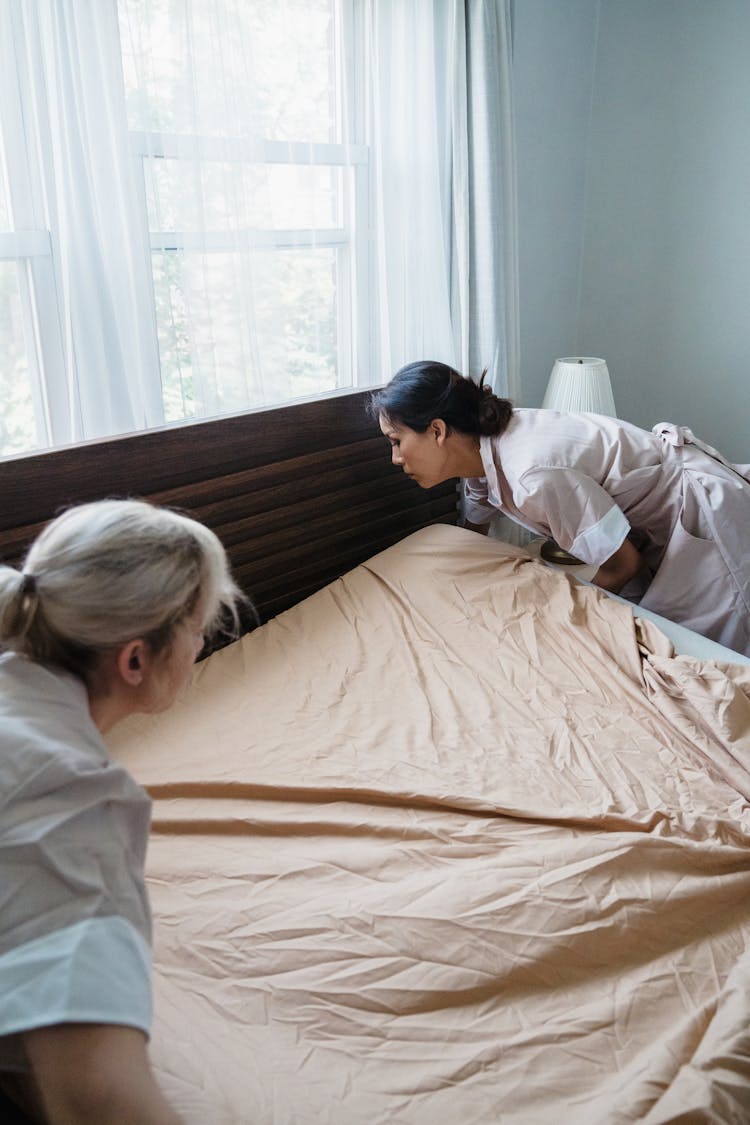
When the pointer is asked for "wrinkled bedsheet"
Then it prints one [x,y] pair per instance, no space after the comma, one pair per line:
[456,840]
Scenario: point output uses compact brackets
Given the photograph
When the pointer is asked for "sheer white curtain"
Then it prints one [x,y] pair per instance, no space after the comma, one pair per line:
[490,329]
[441,130]
[409,51]
[104,379]
[237,114]
[236,203]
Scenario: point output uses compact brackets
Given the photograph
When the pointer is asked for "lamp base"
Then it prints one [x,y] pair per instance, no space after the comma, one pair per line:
[551,553]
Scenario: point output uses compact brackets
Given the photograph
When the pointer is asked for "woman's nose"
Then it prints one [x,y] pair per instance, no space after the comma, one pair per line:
[396,457]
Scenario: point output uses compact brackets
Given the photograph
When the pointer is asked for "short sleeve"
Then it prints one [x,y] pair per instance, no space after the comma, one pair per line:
[95,971]
[75,923]
[582,517]
[477,507]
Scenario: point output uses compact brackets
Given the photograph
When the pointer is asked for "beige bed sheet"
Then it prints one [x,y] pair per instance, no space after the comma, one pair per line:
[454,841]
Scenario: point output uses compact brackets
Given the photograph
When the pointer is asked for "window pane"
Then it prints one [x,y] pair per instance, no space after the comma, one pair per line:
[5,216]
[257,67]
[5,223]
[17,419]
[172,325]
[216,196]
[238,331]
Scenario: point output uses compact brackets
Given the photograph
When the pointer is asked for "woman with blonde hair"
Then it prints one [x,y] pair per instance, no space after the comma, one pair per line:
[104,620]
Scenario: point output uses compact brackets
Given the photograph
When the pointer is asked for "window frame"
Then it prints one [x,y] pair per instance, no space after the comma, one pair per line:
[30,244]
[349,240]
[33,245]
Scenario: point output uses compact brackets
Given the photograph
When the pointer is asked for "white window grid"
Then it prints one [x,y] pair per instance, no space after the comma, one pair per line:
[32,242]
[349,241]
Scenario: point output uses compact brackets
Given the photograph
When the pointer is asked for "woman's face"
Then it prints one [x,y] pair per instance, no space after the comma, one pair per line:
[423,457]
[172,668]
[135,678]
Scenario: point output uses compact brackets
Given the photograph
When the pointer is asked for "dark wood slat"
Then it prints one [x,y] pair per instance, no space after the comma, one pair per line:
[258,573]
[361,459]
[270,597]
[339,486]
[331,503]
[156,460]
[297,526]
[14,541]
[298,495]
[257,497]
[356,520]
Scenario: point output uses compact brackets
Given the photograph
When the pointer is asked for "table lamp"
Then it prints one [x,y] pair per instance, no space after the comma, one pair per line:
[580,384]
[577,384]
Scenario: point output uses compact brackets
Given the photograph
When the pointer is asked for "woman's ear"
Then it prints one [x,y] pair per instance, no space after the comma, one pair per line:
[131,661]
[439,430]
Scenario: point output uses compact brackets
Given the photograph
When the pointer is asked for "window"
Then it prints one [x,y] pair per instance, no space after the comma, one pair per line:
[250,191]
[29,341]
[251,176]
[209,206]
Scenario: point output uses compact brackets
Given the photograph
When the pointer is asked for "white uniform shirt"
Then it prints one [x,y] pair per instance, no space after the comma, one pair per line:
[588,481]
[75,925]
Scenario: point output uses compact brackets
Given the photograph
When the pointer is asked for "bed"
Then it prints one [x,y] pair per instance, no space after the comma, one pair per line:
[452,837]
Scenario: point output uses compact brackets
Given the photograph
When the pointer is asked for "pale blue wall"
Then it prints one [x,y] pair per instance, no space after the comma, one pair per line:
[666,280]
[662,282]
[553,57]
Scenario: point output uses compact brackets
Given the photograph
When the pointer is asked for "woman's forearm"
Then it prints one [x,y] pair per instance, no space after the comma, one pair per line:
[136,1105]
[96,1073]
[619,568]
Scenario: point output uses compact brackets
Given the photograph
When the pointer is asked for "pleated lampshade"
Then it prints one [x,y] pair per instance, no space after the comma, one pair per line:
[580,383]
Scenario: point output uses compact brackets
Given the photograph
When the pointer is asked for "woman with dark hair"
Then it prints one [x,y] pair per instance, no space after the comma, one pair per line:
[664,517]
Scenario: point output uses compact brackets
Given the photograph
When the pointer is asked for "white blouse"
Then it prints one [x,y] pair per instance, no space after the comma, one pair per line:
[588,481]
[75,926]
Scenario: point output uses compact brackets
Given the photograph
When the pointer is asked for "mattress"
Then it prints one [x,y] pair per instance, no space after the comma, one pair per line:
[456,839]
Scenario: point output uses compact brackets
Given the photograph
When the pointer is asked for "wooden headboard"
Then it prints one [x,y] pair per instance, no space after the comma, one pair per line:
[298,495]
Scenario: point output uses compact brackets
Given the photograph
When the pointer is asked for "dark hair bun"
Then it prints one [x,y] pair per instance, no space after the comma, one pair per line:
[429,389]
[493,413]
